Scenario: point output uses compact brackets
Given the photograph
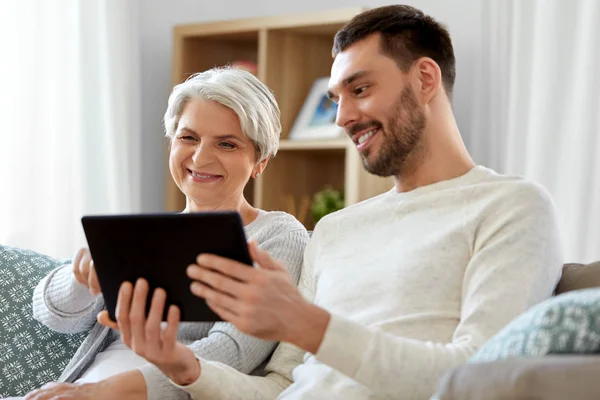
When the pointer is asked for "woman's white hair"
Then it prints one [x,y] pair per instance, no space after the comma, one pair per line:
[239,90]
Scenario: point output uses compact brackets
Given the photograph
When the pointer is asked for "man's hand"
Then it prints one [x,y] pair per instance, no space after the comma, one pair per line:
[261,301]
[84,271]
[146,336]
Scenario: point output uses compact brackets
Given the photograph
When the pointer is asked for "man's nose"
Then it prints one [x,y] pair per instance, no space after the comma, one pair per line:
[347,113]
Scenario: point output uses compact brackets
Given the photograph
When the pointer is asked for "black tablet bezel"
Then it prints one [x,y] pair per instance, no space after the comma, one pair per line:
[159,247]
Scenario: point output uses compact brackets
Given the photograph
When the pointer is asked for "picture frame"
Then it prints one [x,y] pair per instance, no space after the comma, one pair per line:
[316,119]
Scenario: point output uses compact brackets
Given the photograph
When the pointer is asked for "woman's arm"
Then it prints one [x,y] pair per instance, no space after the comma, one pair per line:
[225,344]
[63,304]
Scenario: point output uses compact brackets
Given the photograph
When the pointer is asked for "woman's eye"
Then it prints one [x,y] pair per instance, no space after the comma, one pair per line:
[227,145]
[187,138]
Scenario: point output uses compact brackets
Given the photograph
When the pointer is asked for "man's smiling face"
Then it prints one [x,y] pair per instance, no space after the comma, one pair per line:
[377,106]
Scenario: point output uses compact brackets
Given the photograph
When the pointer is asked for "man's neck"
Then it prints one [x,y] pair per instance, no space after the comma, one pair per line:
[427,174]
[442,157]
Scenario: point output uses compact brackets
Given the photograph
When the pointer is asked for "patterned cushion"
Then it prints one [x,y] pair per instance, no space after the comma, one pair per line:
[565,324]
[30,353]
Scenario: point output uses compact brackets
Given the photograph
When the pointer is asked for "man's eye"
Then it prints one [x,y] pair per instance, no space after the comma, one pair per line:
[359,90]
[187,138]
[227,145]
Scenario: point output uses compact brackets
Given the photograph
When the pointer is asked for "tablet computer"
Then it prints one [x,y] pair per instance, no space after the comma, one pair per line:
[159,248]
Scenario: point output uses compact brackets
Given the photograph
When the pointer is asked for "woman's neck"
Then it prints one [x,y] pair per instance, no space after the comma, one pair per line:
[246,211]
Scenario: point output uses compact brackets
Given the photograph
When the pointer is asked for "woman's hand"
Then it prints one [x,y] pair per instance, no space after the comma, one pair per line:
[145,335]
[71,391]
[84,271]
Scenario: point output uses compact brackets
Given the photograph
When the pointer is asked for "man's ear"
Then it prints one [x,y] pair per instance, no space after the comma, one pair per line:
[428,79]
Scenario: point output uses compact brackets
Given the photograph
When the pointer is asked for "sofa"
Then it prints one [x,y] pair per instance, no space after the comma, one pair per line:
[31,354]
[558,376]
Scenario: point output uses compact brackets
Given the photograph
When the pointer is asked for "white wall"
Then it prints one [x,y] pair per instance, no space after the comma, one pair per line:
[157,18]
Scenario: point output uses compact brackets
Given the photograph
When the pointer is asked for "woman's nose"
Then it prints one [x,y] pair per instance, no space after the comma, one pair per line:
[203,154]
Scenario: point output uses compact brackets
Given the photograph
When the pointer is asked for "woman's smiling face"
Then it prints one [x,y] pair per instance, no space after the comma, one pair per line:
[211,159]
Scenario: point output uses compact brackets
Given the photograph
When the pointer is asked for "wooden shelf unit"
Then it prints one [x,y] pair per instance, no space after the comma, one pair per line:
[291,51]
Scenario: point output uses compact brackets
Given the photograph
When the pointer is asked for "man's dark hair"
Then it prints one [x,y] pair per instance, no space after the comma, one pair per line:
[407,34]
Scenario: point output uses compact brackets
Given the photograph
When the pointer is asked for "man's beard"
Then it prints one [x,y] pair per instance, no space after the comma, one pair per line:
[400,146]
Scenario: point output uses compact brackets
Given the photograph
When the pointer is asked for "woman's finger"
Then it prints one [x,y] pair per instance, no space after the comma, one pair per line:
[93,283]
[84,267]
[169,334]
[137,315]
[104,319]
[122,312]
[153,328]
[76,266]
[47,391]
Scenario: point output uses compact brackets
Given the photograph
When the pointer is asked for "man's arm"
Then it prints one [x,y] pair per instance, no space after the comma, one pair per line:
[219,381]
[516,263]
[224,344]
[216,380]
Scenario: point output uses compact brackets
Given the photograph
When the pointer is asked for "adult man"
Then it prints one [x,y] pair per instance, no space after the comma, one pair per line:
[399,288]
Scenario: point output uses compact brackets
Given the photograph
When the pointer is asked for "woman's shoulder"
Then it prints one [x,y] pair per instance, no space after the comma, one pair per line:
[280,221]
[274,223]
[282,236]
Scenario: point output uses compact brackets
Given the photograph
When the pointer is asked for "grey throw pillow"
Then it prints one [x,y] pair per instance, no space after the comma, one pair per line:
[30,353]
[565,324]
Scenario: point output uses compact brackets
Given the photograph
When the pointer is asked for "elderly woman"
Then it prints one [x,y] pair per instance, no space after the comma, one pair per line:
[223,125]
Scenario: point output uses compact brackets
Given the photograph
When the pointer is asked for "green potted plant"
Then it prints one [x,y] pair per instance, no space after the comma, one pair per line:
[325,202]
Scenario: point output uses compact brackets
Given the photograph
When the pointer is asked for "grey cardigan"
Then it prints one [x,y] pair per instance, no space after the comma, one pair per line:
[64,305]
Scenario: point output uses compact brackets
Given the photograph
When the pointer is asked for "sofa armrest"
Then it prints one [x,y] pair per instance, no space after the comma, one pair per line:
[548,378]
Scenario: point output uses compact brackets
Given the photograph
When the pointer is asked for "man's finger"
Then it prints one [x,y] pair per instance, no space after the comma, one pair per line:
[226,266]
[223,312]
[216,280]
[215,297]
[262,258]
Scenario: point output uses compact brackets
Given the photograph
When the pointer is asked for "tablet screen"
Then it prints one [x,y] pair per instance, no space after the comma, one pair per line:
[159,248]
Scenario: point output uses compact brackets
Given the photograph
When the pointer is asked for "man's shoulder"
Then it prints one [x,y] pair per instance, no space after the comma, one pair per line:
[502,197]
[514,190]
[357,207]
[329,224]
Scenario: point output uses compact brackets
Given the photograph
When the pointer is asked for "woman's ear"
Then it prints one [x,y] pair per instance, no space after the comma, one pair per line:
[260,167]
